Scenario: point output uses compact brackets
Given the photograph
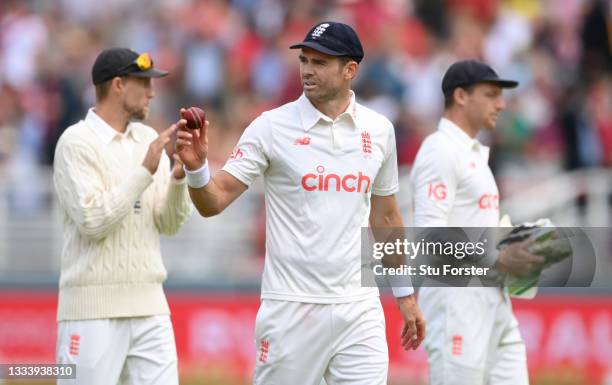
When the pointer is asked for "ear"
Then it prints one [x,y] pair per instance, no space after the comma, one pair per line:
[350,70]
[460,96]
[117,84]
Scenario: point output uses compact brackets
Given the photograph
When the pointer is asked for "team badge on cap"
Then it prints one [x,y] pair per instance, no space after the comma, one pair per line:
[319,30]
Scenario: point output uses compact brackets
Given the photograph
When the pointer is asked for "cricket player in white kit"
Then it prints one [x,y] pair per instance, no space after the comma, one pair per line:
[117,194]
[329,167]
[473,336]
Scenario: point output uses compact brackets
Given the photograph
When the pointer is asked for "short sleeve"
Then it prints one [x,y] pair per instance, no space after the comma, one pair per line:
[386,181]
[434,185]
[251,156]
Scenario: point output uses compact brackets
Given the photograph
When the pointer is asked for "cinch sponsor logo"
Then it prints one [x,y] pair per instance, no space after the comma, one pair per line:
[489,202]
[236,154]
[324,182]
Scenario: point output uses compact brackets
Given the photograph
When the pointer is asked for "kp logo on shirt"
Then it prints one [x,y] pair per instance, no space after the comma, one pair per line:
[324,182]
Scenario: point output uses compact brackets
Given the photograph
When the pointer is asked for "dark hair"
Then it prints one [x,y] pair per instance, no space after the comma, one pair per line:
[449,99]
[102,90]
[346,59]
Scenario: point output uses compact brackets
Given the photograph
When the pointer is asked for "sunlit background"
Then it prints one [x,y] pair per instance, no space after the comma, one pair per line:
[551,151]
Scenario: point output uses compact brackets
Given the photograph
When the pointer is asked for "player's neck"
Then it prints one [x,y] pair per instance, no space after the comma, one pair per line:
[113,116]
[333,107]
[460,121]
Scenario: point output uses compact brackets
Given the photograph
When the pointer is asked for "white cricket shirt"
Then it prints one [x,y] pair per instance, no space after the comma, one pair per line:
[319,175]
[451,181]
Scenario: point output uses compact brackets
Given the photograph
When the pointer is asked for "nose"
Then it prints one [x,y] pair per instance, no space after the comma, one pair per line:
[306,70]
[501,104]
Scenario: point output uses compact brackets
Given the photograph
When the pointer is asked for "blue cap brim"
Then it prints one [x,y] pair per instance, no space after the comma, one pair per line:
[317,47]
[503,83]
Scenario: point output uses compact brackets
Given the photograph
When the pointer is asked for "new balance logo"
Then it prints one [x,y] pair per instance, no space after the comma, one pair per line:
[305,141]
[319,30]
[325,182]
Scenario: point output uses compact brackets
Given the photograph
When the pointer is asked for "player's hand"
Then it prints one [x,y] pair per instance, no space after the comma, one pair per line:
[153,156]
[192,145]
[413,332]
[517,260]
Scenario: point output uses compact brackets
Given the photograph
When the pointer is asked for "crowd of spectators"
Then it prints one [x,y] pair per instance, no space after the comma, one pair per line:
[231,57]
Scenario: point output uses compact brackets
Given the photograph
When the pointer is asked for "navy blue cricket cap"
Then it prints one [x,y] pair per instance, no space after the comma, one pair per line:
[333,38]
[123,62]
[465,73]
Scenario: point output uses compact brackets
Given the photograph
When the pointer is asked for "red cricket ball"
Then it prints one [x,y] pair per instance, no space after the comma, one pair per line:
[195,117]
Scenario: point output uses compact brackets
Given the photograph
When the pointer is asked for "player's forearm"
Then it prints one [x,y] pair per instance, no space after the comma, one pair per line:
[388,219]
[392,223]
[208,200]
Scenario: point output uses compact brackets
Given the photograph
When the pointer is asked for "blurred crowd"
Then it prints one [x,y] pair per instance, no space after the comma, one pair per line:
[231,57]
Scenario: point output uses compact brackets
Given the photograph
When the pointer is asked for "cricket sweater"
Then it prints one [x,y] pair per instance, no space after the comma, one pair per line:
[113,213]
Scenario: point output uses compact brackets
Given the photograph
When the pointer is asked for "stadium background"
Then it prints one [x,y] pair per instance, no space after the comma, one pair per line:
[552,151]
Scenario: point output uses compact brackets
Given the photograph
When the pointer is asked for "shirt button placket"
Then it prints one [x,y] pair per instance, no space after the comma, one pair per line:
[336,137]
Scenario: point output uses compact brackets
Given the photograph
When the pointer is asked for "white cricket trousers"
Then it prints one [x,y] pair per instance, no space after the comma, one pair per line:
[134,351]
[301,343]
[472,337]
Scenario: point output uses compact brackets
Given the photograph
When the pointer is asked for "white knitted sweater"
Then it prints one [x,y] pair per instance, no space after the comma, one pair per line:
[113,213]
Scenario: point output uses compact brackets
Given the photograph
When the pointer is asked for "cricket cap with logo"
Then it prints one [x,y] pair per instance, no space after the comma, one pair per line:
[333,38]
[114,62]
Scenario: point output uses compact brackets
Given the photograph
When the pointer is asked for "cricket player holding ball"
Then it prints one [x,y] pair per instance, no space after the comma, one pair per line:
[329,167]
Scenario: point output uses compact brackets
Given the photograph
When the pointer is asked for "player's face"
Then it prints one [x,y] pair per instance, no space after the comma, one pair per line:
[137,94]
[323,77]
[484,104]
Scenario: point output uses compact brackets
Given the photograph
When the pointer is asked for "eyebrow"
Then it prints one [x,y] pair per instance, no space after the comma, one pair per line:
[314,60]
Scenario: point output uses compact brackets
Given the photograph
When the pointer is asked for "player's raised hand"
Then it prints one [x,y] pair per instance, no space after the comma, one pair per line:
[192,144]
[153,156]
[413,332]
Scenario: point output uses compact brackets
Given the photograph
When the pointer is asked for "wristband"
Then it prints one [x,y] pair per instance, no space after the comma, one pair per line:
[198,178]
[402,291]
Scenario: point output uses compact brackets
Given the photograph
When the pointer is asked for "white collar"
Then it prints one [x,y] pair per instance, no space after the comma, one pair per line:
[105,131]
[311,116]
[456,133]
